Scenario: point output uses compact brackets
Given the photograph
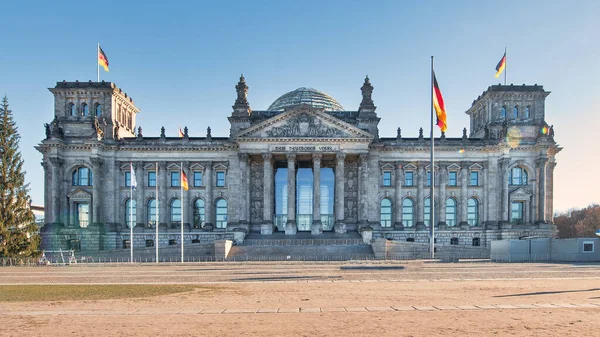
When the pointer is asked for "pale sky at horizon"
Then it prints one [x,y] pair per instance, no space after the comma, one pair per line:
[180,62]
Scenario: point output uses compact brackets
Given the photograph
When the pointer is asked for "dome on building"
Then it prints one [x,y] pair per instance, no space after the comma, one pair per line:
[308,96]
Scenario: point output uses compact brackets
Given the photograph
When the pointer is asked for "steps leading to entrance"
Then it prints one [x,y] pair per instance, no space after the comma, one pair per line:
[303,239]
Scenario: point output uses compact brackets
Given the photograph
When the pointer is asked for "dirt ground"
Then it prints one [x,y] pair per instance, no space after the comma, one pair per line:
[407,299]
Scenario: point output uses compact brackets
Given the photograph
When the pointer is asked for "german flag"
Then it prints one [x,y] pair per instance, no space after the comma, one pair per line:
[501,65]
[184,180]
[438,105]
[102,59]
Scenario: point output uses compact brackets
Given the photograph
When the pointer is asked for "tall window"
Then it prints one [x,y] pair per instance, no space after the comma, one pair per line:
[503,112]
[174,178]
[220,179]
[151,212]
[473,212]
[408,178]
[73,109]
[527,113]
[451,212]
[516,212]
[152,178]
[221,213]
[517,176]
[82,176]
[127,178]
[452,178]
[176,210]
[83,215]
[197,179]
[130,205]
[428,178]
[98,109]
[407,212]
[427,212]
[85,109]
[387,178]
[474,178]
[386,212]
[199,213]
[515,114]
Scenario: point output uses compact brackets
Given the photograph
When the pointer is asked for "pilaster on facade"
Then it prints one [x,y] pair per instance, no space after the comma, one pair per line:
[210,202]
[541,177]
[97,173]
[503,175]
[421,177]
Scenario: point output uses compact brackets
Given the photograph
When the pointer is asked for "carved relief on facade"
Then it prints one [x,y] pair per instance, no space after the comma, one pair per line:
[256,190]
[305,125]
[351,190]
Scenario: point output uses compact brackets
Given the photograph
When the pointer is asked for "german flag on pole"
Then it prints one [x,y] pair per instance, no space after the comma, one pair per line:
[184,180]
[180,132]
[501,65]
[438,105]
[102,59]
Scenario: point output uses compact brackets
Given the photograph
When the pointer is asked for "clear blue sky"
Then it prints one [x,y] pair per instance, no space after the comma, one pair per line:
[180,62]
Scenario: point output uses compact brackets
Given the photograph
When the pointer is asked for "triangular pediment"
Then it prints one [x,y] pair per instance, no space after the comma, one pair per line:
[303,121]
[79,194]
[520,194]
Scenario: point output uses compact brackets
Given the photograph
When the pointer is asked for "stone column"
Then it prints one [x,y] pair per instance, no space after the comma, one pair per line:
[443,178]
[267,226]
[464,183]
[96,206]
[483,210]
[163,188]
[290,226]
[47,192]
[541,167]
[363,169]
[503,173]
[550,190]
[398,201]
[340,226]
[209,204]
[243,198]
[420,200]
[56,175]
[317,225]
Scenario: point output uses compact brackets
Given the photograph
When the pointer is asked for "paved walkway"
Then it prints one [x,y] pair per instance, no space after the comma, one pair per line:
[217,311]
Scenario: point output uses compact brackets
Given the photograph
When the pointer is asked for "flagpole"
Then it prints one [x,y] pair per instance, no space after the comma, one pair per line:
[98,63]
[505,65]
[131,214]
[156,204]
[181,203]
[432,180]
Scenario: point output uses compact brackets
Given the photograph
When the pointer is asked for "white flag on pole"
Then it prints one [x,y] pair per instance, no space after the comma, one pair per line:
[133,180]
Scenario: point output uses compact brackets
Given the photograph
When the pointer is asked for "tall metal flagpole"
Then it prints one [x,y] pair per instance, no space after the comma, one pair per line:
[98,63]
[156,204]
[505,65]
[131,214]
[432,180]
[181,203]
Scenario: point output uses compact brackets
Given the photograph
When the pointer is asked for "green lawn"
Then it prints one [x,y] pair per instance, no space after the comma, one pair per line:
[22,293]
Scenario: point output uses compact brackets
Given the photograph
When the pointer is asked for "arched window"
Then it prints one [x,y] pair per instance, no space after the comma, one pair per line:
[82,176]
[527,112]
[84,109]
[451,212]
[473,212]
[386,212]
[73,109]
[221,213]
[130,205]
[199,215]
[98,109]
[517,176]
[151,212]
[407,212]
[176,210]
[503,112]
[515,114]
[427,211]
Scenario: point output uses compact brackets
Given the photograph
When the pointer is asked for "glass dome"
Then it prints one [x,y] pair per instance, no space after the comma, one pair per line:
[308,96]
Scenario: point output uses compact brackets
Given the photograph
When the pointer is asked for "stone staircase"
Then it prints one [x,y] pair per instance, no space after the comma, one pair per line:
[302,247]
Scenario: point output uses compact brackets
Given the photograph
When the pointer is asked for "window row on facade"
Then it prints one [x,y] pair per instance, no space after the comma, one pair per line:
[199,212]
[408,212]
[175,179]
[84,109]
[517,176]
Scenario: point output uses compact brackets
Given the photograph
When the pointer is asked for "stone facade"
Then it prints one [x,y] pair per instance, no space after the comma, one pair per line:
[494,183]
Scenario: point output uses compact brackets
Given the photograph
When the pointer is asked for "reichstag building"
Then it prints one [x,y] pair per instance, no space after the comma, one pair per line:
[305,164]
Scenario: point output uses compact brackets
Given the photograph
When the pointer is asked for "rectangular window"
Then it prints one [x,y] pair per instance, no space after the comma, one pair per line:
[588,246]
[197,179]
[516,212]
[476,242]
[387,178]
[152,178]
[428,178]
[127,179]
[175,179]
[451,178]
[474,178]
[453,241]
[408,178]
[220,179]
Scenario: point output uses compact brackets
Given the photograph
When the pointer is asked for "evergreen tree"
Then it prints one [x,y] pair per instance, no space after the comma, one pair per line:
[18,232]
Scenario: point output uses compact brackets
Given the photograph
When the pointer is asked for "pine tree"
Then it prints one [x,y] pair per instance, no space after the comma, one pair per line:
[18,232]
